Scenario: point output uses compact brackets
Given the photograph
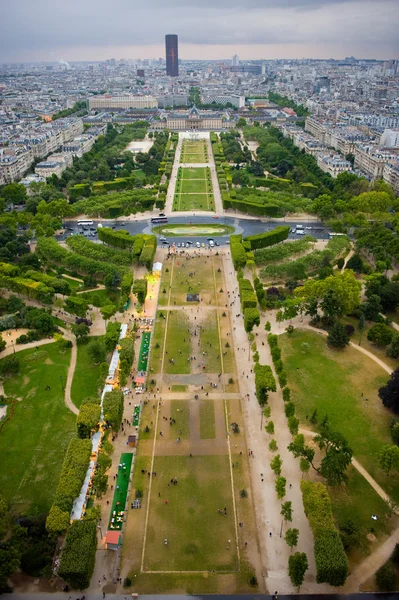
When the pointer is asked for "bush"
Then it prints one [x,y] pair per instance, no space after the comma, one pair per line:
[330,557]
[286,394]
[251,318]
[87,420]
[380,334]
[78,555]
[386,578]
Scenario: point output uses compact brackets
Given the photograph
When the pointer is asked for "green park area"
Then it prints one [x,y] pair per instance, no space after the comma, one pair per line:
[209,342]
[87,375]
[342,384]
[195,276]
[207,420]
[197,534]
[193,201]
[35,437]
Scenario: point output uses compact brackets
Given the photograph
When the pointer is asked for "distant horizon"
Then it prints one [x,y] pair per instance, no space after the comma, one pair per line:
[81,30]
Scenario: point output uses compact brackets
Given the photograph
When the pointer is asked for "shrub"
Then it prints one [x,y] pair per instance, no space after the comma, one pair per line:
[87,420]
[251,318]
[386,578]
[380,334]
[330,557]
[282,379]
[286,394]
[263,240]
[289,409]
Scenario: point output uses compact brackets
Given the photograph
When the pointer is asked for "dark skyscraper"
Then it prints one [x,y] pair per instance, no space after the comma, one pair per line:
[172,55]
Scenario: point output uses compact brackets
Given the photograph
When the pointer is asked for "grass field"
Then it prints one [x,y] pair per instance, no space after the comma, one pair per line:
[201,281]
[356,502]
[33,442]
[194,201]
[332,382]
[191,186]
[197,535]
[177,339]
[194,152]
[187,173]
[207,420]
[209,338]
[180,411]
[86,377]
[208,229]
[157,345]
[101,297]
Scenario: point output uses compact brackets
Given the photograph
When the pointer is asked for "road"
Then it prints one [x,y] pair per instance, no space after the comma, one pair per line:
[241,225]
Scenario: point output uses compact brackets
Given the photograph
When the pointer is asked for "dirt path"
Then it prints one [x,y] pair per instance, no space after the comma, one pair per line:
[71,371]
[274,550]
[371,564]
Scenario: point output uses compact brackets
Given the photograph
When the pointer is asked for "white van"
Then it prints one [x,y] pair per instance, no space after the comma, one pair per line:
[211,244]
[299,227]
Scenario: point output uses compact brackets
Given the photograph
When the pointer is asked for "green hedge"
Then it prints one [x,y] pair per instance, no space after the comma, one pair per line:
[89,249]
[330,557]
[251,318]
[79,554]
[238,253]
[126,357]
[73,473]
[269,238]
[126,283]
[112,336]
[264,382]
[267,210]
[140,289]
[119,239]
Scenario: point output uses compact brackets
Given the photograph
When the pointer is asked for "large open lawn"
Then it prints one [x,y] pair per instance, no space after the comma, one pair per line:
[192,277]
[33,442]
[87,375]
[193,201]
[337,383]
[186,173]
[178,344]
[194,152]
[197,534]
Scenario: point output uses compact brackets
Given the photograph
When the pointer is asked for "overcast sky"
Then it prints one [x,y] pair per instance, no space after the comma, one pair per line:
[49,30]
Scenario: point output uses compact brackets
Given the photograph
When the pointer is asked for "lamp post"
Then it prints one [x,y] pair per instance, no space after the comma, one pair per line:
[100,530]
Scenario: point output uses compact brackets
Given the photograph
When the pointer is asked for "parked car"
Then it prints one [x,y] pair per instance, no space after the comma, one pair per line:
[198,244]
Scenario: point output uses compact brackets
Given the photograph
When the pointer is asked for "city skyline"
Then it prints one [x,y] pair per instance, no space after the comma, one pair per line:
[293,29]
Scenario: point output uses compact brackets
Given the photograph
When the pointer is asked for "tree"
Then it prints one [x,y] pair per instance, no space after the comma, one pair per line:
[96,351]
[345,286]
[81,331]
[338,456]
[280,487]
[57,520]
[372,307]
[304,466]
[14,193]
[276,464]
[360,326]
[3,343]
[108,311]
[331,304]
[291,537]
[297,567]
[389,393]
[393,349]
[338,336]
[286,511]
[389,458]
[355,263]
[241,122]
[380,334]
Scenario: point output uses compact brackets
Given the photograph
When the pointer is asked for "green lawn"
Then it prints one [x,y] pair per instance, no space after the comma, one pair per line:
[189,186]
[194,173]
[193,201]
[86,377]
[180,411]
[207,420]
[356,502]
[209,338]
[197,535]
[33,442]
[201,282]
[101,297]
[177,338]
[120,493]
[332,382]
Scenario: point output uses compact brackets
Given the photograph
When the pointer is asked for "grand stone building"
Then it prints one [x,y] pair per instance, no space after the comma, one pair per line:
[196,120]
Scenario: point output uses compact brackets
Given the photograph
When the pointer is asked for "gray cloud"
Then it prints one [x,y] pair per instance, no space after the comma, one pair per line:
[43,28]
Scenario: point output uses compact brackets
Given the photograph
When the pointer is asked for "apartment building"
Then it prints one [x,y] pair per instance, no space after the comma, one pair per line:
[14,162]
[333,164]
[122,102]
[391,174]
[390,138]
[371,160]
[54,165]
[316,128]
